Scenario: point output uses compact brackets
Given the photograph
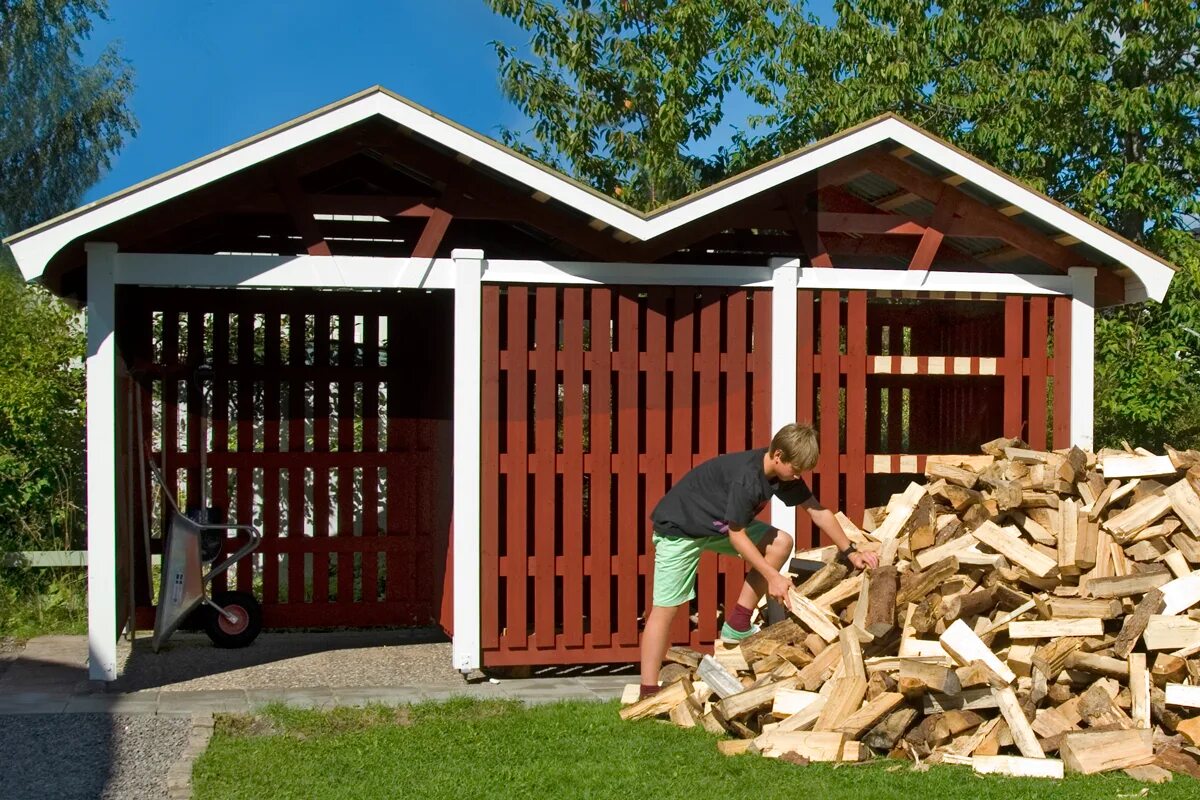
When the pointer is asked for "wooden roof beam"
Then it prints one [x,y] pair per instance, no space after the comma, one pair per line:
[296,201]
[989,219]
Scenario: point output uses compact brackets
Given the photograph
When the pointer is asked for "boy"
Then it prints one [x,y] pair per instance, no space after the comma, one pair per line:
[713,507]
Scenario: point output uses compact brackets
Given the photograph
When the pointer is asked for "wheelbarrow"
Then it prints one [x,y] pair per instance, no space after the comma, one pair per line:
[193,541]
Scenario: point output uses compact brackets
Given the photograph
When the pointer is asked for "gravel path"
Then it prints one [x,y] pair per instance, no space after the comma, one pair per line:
[108,756]
[189,662]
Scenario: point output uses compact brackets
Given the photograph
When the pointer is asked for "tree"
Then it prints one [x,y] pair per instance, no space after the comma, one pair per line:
[60,122]
[620,92]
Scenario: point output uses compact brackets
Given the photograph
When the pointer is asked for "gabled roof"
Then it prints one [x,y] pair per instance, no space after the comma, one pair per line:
[1146,275]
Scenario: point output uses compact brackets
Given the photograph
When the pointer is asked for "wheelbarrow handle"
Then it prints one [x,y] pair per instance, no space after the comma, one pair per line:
[251,544]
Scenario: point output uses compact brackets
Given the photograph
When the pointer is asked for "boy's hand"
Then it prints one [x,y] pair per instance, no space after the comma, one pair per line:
[864,560]
[778,587]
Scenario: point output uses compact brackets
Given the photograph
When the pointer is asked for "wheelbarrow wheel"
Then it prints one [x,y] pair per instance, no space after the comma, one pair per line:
[239,632]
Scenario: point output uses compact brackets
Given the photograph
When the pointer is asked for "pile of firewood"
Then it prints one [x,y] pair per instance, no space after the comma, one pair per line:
[1026,604]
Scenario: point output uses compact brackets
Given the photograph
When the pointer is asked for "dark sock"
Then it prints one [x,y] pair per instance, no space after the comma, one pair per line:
[739,618]
[649,689]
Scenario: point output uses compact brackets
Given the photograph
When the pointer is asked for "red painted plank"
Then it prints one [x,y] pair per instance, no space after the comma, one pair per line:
[708,365]
[761,368]
[370,474]
[1014,345]
[805,391]
[572,482]
[195,357]
[397,574]
[518,450]
[271,499]
[1036,404]
[655,404]
[683,410]
[628,406]
[737,407]
[320,483]
[545,599]
[828,490]
[856,402]
[297,475]
[219,441]
[600,478]
[1062,372]
[346,415]
[489,454]
[245,433]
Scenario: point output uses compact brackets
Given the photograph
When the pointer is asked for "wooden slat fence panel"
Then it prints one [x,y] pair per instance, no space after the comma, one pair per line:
[354,533]
[652,381]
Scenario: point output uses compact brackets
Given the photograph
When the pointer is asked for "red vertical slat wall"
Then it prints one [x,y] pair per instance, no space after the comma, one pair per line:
[648,382]
[860,413]
[283,363]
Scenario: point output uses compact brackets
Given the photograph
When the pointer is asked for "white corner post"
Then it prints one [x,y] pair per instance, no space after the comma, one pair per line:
[467,648]
[784,274]
[1083,355]
[102,461]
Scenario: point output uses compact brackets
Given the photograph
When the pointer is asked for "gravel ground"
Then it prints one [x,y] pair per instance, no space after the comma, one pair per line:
[292,660]
[108,756]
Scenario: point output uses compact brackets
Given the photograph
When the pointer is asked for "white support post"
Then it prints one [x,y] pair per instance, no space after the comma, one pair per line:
[1083,355]
[101,461]
[784,273]
[467,649]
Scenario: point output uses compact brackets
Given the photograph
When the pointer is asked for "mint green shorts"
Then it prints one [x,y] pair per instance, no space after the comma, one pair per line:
[677,558]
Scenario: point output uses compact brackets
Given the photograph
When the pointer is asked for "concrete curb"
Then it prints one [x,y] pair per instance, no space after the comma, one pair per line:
[179,776]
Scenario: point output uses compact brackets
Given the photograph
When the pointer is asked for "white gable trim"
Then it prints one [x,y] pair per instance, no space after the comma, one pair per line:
[33,249]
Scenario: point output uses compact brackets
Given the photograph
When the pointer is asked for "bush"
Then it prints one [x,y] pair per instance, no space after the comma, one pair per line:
[41,419]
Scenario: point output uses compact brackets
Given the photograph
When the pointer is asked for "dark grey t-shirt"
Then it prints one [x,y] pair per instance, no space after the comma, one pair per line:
[728,490]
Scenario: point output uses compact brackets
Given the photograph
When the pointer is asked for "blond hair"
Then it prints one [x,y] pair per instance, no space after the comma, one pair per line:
[798,445]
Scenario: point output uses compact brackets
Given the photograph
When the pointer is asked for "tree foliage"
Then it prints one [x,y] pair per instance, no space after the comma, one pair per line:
[41,416]
[620,92]
[1095,103]
[61,120]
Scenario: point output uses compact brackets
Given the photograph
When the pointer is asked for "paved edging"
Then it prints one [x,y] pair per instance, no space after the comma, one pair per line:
[179,777]
[186,703]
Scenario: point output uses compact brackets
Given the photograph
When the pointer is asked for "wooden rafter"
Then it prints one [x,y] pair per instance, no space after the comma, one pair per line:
[301,213]
[987,220]
[478,188]
[931,240]
[802,209]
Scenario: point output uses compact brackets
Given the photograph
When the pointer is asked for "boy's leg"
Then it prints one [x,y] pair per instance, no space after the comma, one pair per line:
[776,547]
[656,639]
[675,564]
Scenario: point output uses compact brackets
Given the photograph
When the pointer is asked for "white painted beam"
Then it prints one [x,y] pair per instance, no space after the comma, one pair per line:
[254,271]
[783,366]
[467,647]
[1083,355]
[101,461]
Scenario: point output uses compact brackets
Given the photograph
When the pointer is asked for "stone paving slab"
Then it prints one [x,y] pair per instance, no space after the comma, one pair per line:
[50,676]
[319,697]
[391,696]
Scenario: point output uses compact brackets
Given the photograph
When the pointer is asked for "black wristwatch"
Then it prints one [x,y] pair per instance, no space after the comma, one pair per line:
[844,555]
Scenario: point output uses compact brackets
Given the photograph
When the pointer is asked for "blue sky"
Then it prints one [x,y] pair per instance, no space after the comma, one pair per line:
[212,72]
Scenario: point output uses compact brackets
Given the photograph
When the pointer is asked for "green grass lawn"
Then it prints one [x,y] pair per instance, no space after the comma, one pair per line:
[471,749]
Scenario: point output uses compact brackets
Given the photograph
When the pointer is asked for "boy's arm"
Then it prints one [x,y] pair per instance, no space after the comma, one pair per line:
[777,585]
[824,519]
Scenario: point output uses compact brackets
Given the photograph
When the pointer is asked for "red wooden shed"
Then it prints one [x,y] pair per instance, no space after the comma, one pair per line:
[450,383]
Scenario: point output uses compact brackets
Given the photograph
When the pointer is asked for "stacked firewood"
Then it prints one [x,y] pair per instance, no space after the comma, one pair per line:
[1033,612]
